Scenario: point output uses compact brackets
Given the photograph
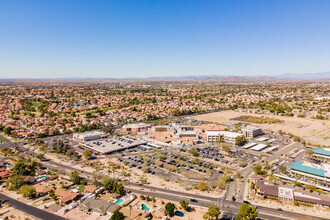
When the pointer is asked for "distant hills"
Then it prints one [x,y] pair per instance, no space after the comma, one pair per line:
[221,78]
[324,75]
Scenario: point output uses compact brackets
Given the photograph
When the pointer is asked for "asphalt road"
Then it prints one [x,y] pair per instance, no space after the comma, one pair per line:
[246,171]
[228,206]
[39,213]
[204,201]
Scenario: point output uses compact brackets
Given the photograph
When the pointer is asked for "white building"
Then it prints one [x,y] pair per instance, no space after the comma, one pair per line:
[87,136]
[251,132]
[115,144]
[228,137]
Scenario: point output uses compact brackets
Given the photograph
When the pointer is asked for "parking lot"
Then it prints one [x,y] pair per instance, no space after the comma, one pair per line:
[170,166]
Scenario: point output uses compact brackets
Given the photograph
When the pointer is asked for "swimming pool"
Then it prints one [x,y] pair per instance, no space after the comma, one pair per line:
[180,214]
[41,177]
[119,201]
[144,207]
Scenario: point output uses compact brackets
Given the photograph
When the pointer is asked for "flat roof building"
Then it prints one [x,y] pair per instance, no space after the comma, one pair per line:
[88,136]
[116,144]
[319,172]
[269,189]
[228,137]
[262,139]
[322,153]
[135,128]
[259,147]
[247,146]
[251,132]
[273,147]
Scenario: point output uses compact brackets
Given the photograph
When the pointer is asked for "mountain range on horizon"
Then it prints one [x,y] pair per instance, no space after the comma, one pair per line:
[237,78]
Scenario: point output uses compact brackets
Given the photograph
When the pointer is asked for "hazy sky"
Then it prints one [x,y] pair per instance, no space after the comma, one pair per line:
[136,38]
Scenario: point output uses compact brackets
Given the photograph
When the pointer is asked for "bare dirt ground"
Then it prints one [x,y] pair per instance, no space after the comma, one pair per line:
[313,130]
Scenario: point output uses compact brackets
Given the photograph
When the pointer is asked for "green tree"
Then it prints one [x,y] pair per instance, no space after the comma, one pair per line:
[296,183]
[117,216]
[40,156]
[296,138]
[109,129]
[246,212]
[170,207]
[88,114]
[184,204]
[258,170]
[194,153]
[7,130]
[87,154]
[206,215]
[202,186]
[240,140]
[226,148]
[14,182]
[112,186]
[27,191]
[213,211]
[76,179]
[6,151]
[282,168]
[309,152]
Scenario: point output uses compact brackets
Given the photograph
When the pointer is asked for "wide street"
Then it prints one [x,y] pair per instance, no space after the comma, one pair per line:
[204,201]
[39,213]
[248,170]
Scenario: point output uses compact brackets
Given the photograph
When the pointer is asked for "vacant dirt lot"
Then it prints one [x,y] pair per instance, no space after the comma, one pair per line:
[313,130]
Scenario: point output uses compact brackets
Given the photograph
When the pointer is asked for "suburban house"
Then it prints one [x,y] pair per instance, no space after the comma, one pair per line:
[98,206]
[90,189]
[65,196]
[42,189]
[4,173]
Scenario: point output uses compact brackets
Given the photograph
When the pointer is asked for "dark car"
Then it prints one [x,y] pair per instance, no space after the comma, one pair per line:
[193,200]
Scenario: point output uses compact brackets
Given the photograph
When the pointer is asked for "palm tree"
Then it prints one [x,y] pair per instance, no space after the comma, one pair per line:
[113,171]
[130,209]
[129,178]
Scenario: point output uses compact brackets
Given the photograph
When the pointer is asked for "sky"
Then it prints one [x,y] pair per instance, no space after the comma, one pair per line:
[140,38]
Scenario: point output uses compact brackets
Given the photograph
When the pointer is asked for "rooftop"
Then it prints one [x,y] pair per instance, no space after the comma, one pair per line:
[319,170]
[322,150]
[224,133]
[90,133]
[138,125]
[113,144]
[259,147]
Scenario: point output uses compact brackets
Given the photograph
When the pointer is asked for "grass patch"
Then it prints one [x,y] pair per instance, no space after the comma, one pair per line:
[306,204]
[81,188]
[36,104]
[273,198]
[274,178]
[257,120]
[95,111]
[2,140]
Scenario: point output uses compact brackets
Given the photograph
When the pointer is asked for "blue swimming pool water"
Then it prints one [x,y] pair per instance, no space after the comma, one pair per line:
[40,177]
[180,214]
[119,201]
[144,207]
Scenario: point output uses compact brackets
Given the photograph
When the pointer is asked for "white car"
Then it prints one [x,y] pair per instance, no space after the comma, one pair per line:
[74,205]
